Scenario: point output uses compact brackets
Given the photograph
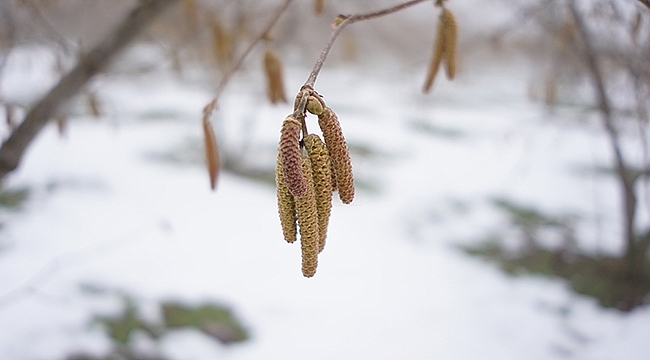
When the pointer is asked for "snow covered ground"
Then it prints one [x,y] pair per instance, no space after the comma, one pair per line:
[104,209]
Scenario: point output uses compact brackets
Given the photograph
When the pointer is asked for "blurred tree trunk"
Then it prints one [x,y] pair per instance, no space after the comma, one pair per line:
[88,66]
[636,245]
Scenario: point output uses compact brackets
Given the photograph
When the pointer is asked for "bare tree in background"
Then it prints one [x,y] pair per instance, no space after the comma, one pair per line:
[605,44]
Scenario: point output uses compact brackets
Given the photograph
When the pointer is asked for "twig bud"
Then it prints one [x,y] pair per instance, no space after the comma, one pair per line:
[62,125]
[314,105]
[94,105]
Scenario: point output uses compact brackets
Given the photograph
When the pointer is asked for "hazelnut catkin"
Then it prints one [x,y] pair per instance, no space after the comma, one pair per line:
[339,153]
[321,172]
[450,35]
[444,49]
[319,7]
[438,52]
[286,205]
[307,215]
[221,42]
[211,152]
[274,82]
[290,154]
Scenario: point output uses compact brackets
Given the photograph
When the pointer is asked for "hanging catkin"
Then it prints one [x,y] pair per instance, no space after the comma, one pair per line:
[339,153]
[286,205]
[274,82]
[221,42]
[321,172]
[290,154]
[307,215]
[451,33]
[211,152]
[444,49]
[438,52]
[319,7]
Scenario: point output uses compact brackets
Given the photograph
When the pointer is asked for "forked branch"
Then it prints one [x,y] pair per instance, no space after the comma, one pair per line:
[345,21]
[212,105]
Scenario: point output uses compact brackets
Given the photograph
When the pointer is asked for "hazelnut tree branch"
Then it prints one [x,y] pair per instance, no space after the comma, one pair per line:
[91,64]
[347,20]
[212,105]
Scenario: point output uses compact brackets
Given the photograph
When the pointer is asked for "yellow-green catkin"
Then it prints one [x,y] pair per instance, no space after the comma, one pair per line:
[444,50]
[436,59]
[307,214]
[339,153]
[274,81]
[450,30]
[286,205]
[290,154]
[321,172]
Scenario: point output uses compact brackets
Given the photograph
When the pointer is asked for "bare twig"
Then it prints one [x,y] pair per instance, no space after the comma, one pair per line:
[626,181]
[311,80]
[212,105]
[48,28]
[91,64]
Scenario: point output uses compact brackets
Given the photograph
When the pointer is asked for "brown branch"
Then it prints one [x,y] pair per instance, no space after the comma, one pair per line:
[626,181]
[212,105]
[311,80]
[91,64]
[646,3]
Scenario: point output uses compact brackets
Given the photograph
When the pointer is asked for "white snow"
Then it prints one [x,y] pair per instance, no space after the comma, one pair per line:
[390,283]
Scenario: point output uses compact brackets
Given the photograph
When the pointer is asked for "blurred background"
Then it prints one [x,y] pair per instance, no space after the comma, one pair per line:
[503,215]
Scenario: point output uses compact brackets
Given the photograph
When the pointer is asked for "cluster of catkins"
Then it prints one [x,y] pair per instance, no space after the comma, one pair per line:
[308,171]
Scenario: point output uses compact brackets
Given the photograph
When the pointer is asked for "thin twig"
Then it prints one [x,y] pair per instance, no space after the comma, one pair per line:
[225,79]
[311,80]
[49,28]
[627,183]
[299,111]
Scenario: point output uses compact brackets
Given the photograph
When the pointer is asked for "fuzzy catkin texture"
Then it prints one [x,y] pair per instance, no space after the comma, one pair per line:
[274,82]
[438,52]
[339,153]
[450,37]
[211,152]
[307,214]
[286,205]
[321,172]
[290,154]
